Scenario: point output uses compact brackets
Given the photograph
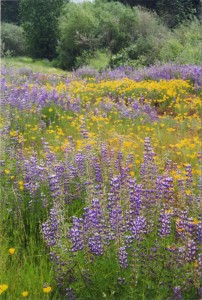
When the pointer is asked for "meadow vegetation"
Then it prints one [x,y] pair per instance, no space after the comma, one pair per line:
[101,183]
[101,166]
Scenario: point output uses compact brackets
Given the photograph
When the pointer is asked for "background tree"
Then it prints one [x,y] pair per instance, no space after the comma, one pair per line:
[40,23]
[175,12]
[12,40]
[172,12]
[10,11]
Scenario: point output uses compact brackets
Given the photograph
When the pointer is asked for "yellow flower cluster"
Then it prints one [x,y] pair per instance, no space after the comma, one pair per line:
[24,294]
[161,90]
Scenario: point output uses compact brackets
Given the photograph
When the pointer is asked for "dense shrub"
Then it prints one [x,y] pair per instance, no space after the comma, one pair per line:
[12,40]
[98,59]
[118,25]
[128,36]
[183,45]
[78,28]
[172,12]
[150,36]
[92,26]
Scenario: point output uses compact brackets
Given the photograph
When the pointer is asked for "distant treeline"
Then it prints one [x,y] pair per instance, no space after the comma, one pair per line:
[102,33]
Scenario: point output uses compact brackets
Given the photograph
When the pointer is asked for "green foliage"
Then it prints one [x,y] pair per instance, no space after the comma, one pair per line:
[183,45]
[10,12]
[12,40]
[172,12]
[118,25]
[40,22]
[150,36]
[102,34]
[175,12]
[78,27]
[92,26]
[98,59]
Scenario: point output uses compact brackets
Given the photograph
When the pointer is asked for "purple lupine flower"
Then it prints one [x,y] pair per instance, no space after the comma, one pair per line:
[168,166]
[83,129]
[191,251]
[194,229]
[189,176]
[181,223]
[116,221]
[70,294]
[95,244]
[76,234]
[31,176]
[200,261]
[93,227]
[199,233]
[115,184]
[113,196]
[165,223]
[73,172]
[80,159]
[104,152]
[98,171]
[135,193]
[177,293]
[168,191]
[50,228]
[97,190]
[148,168]
[138,227]
[92,217]
[123,257]
[54,183]
[181,186]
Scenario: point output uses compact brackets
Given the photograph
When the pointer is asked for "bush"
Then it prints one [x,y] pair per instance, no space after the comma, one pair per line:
[183,45]
[118,25]
[149,37]
[98,59]
[92,26]
[78,28]
[12,40]
[128,36]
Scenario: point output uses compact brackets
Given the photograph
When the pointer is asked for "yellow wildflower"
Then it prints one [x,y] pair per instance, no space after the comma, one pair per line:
[24,294]
[47,289]
[170,129]
[188,192]
[11,251]
[3,288]
[195,221]
[196,264]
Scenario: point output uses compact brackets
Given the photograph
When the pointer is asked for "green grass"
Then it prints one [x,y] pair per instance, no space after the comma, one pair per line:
[41,66]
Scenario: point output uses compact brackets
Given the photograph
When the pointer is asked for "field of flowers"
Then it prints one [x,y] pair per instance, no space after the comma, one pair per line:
[101,184]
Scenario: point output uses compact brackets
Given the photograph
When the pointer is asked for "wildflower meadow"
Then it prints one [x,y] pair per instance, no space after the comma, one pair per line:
[101,184]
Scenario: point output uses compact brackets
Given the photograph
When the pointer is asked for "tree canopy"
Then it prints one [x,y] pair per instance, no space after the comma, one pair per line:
[10,11]
[39,20]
